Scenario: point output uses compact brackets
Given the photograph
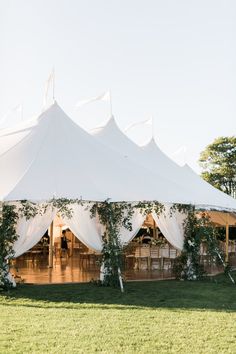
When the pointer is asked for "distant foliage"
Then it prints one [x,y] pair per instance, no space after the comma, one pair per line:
[218,162]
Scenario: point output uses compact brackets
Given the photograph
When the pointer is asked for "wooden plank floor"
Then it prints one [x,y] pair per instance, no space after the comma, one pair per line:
[35,270]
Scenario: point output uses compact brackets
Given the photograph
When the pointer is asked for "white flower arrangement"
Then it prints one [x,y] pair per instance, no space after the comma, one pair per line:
[191,243]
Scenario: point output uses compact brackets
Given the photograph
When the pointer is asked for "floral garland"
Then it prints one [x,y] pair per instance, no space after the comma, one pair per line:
[8,220]
[196,230]
[30,209]
[147,207]
[113,216]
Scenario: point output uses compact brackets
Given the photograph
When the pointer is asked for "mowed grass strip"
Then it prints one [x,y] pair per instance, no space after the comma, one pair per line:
[150,317]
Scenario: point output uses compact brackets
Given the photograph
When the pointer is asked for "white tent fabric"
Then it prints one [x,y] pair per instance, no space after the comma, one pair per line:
[171,226]
[206,192]
[59,159]
[30,231]
[198,192]
[90,231]
[86,229]
[10,137]
[52,157]
[137,221]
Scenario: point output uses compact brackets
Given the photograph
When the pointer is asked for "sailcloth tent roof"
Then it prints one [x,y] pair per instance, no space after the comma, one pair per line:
[11,136]
[56,158]
[150,156]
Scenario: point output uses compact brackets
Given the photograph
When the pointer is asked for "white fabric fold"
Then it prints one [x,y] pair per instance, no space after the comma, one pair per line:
[137,220]
[30,231]
[171,226]
[88,230]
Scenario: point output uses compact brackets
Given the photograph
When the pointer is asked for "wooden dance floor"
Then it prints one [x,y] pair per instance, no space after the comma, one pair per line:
[34,270]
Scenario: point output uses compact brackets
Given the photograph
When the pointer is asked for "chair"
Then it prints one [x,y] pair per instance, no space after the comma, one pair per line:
[155,258]
[173,255]
[129,255]
[165,257]
[142,257]
[204,256]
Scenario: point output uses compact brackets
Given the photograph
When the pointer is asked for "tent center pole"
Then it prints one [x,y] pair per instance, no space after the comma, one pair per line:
[154,229]
[50,256]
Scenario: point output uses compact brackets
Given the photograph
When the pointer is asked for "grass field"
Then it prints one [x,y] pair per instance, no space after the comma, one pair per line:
[151,317]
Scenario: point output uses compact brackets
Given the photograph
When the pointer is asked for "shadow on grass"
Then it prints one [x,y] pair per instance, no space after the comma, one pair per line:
[211,294]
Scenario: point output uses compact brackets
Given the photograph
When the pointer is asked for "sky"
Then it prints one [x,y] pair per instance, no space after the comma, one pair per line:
[172,60]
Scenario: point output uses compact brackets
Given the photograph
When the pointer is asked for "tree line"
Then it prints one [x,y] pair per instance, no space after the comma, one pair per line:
[218,163]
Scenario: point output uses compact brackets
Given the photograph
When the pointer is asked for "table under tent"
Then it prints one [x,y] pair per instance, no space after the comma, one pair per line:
[52,158]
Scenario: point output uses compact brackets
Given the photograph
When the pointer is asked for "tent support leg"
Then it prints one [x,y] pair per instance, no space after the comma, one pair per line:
[154,229]
[224,264]
[120,280]
[50,260]
[227,240]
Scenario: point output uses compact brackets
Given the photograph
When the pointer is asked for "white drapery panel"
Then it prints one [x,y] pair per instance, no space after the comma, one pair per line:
[171,226]
[30,231]
[137,221]
[88,230]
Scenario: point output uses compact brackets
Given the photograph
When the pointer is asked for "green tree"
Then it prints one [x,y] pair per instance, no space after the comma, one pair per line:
[218,162]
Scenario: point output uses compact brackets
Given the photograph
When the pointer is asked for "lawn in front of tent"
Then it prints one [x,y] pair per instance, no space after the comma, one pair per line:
[150,317]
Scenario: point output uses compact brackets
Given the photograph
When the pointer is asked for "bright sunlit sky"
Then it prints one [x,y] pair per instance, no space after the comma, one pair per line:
[173,60]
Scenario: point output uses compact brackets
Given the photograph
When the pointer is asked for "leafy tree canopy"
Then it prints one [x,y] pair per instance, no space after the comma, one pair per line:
[218,162]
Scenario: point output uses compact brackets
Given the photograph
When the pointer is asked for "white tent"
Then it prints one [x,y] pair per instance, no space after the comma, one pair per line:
[56,158]
[52,156]
[199,192]
[11,136]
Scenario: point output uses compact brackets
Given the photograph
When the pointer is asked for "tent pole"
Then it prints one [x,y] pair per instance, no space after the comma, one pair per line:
[50,260]
[154,229]
[119,277]
[227,239]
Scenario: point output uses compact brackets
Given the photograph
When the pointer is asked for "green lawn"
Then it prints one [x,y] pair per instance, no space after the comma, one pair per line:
[151,317]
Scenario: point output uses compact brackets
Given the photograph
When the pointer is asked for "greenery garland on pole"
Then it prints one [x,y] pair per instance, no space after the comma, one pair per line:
[8,220]
[113,216]
[197,230]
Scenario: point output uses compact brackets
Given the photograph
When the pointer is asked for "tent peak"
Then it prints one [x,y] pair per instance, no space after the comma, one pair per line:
[109,124]
[151,142]
[54,107]
[53,104]
[112,121]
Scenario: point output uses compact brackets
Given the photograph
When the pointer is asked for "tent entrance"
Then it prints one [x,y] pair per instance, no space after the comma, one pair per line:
[149,252]
[72,260]
[147,256]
